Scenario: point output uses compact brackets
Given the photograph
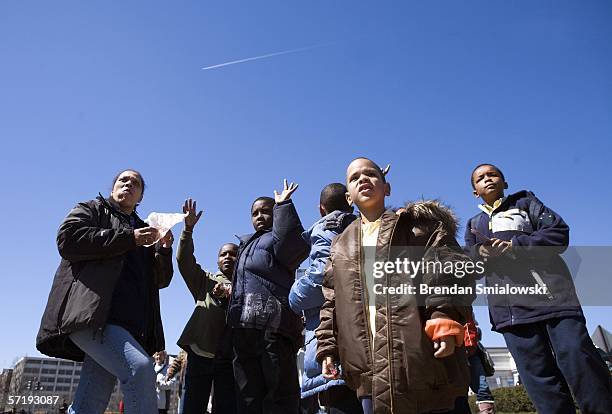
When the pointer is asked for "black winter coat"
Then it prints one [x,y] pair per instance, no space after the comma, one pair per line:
[93,241]
[265,271]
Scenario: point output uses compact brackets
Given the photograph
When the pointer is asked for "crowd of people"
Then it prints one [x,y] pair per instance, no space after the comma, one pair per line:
[363,352]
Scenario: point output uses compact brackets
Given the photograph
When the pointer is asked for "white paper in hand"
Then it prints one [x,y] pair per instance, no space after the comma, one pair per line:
[163,222]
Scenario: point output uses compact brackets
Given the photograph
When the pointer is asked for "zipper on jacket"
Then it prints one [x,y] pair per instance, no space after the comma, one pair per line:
[389,322]
[536,276]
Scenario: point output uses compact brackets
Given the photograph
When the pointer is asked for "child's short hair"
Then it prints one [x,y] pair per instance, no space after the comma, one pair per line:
[501,174]
[234,247]
[382,172]
[263,198]
[333,197]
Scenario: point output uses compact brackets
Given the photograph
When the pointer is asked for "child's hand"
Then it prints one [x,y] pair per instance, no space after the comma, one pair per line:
[192,218]
[494,248]
[444,346]
[485,250]
[500,246]
[167,240]
[287,191]
[221,290]
[329,369]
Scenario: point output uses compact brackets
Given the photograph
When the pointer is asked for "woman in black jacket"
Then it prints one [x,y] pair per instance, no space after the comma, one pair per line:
[103,308]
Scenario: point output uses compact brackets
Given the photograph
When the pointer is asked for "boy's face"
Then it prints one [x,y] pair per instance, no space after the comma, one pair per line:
[227,259]
[365,185]
[160,358]
[261,214]
[488,183]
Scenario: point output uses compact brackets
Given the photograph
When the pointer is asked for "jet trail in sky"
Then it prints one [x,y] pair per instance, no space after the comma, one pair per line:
[284,52]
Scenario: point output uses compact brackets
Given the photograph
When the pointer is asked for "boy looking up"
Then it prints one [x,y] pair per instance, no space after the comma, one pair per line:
[396,350]
[546,334]
[266,332]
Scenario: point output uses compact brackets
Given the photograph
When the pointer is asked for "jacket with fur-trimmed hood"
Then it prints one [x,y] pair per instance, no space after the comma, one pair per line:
[398,369]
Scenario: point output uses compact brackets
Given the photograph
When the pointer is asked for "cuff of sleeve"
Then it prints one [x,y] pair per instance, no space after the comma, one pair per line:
[282,203]
[521,240]
[321,356]
[439,327]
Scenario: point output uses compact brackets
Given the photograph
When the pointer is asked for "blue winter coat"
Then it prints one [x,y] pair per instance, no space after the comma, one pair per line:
[539,236]
[306,295]
[264,272]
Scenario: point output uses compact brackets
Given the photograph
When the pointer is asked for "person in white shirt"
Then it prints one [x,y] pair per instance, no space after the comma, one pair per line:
[163,385]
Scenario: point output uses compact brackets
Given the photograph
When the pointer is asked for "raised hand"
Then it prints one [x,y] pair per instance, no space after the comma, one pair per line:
[287,191]
[146,236]
[192,218]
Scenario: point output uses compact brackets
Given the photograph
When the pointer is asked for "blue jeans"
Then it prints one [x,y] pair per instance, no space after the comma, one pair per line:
[367,405]
[478,381]
[554,356]
[117,355]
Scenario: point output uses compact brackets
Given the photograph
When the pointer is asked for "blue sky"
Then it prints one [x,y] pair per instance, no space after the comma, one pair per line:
[434,88]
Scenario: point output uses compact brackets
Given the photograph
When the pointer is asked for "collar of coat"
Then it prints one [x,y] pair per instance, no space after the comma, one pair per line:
[429,219]
[246,238]
[114,209]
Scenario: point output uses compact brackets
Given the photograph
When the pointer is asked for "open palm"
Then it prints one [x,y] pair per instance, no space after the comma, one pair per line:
[286,193]
[191,219]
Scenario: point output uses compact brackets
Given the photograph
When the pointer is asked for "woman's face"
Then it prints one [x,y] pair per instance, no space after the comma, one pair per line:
[127,190]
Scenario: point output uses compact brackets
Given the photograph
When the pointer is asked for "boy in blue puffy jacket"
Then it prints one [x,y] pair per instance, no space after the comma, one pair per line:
[266,333]
[521,240]
[306,297]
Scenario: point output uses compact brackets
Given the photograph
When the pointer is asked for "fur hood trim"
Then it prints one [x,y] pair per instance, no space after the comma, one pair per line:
[433,210]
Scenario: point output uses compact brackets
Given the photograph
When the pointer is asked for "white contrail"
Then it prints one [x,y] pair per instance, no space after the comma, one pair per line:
[284,52]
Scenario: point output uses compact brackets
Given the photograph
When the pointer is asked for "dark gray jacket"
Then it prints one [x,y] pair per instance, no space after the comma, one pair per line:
[93,241]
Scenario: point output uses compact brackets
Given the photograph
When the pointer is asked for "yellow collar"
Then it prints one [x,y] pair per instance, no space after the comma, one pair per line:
[369,227]
[490,209]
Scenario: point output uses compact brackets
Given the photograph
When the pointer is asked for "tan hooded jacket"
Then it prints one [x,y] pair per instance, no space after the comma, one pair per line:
[401,373]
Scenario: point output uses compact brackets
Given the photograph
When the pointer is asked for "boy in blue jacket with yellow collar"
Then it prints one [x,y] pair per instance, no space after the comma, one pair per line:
[521,240]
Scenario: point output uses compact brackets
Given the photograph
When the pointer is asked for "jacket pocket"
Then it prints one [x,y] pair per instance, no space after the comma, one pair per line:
[66,294]
[89,296]
[423,370]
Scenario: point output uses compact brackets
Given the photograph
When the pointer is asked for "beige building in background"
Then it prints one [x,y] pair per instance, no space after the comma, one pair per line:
[51,377]
[48,377]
